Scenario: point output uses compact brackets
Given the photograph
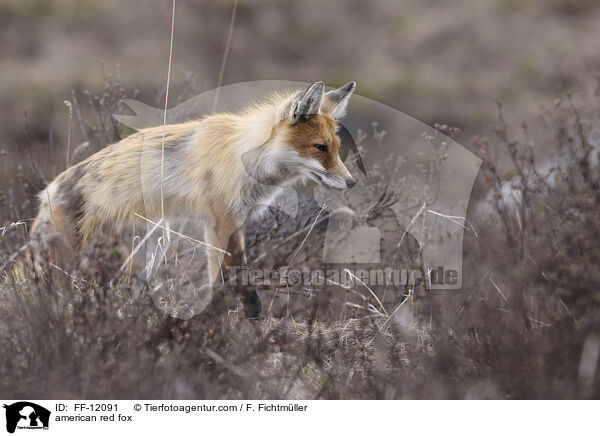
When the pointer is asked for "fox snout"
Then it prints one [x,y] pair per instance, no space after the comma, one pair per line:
[343,173]
[349,183]
[336,178]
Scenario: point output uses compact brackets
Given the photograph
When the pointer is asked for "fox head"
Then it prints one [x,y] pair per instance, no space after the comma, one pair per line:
[306,136]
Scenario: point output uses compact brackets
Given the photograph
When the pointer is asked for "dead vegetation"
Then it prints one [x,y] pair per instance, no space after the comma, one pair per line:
[525,325]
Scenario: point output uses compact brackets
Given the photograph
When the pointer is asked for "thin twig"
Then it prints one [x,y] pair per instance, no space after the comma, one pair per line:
[388,320]
[297,251]
[305,238]
[369,289]
[68,156]
[186,237]
[51,212]
[225,56]
[162,148]
[137,248]
[498,289]
[454,220]
[410,224]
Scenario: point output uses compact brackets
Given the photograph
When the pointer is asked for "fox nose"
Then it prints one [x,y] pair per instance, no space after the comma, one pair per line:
[350,183]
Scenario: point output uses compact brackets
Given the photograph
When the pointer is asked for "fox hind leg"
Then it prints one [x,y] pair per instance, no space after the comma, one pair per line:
[54,238]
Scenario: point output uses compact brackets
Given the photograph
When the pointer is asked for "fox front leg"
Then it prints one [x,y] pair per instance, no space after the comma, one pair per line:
[224,236]
[247,295]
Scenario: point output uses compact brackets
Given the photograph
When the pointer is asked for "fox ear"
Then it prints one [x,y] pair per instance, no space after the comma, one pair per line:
[335,102]
[308,103]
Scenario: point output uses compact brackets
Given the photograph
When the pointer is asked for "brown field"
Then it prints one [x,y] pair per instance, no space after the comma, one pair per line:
[520,80]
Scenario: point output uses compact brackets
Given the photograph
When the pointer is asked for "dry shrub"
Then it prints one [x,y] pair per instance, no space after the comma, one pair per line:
[525,325]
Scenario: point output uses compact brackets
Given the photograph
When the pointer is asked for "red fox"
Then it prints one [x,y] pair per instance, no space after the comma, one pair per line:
[215,170]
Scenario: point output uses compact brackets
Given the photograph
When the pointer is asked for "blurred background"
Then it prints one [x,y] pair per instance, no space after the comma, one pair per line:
[437,61]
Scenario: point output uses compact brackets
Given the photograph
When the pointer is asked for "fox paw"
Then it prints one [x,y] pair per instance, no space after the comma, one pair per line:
[252,306]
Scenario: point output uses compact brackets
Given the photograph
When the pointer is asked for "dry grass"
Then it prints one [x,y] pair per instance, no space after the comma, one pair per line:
[525,325]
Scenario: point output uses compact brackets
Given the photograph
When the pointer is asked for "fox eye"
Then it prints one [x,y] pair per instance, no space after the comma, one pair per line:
[321,147]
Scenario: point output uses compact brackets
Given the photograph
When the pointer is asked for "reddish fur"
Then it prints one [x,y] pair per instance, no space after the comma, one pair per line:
[319,129]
